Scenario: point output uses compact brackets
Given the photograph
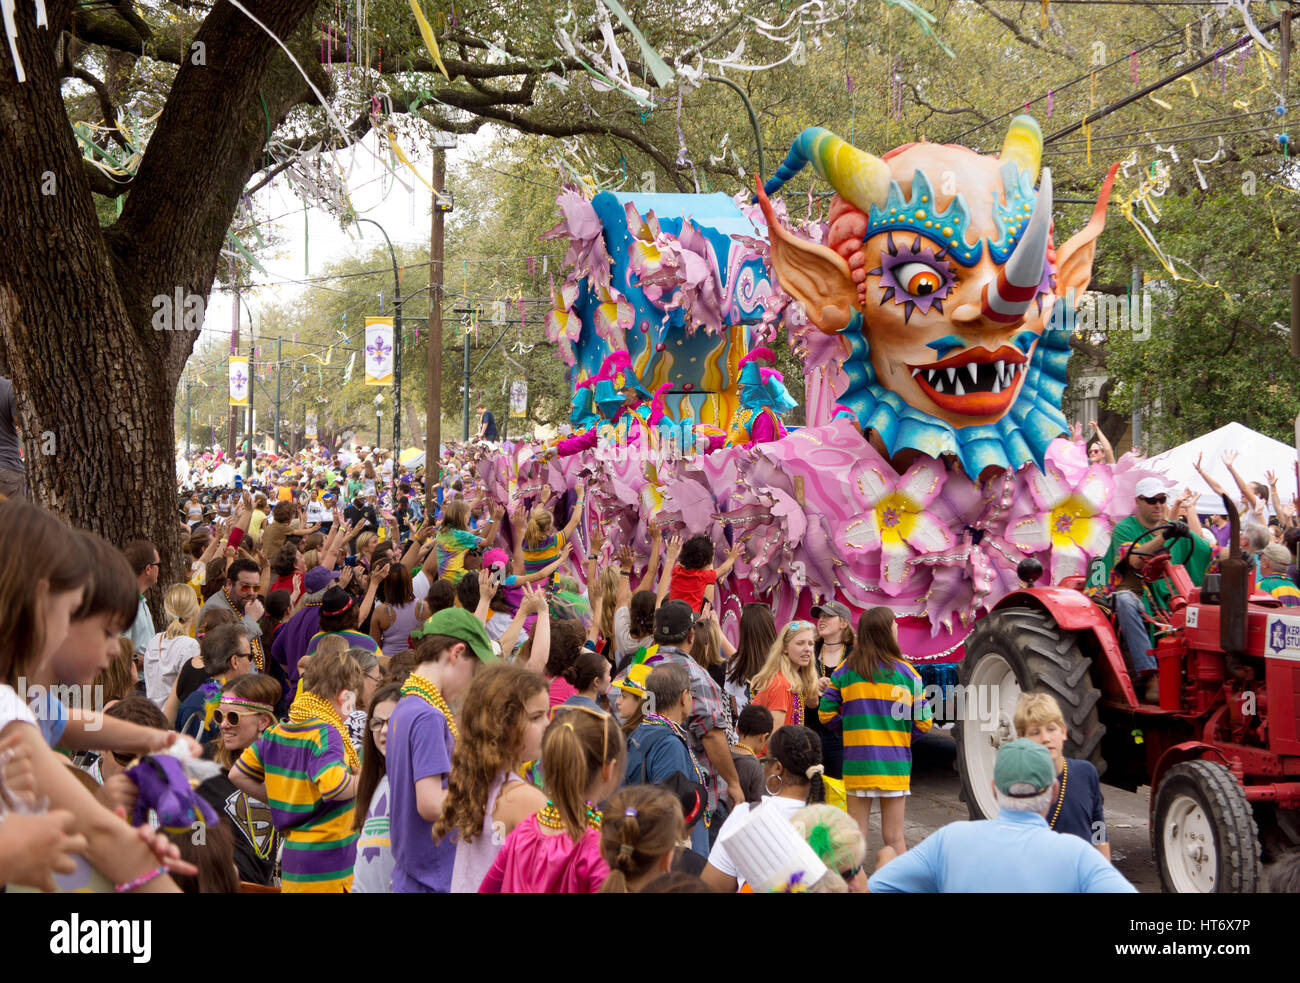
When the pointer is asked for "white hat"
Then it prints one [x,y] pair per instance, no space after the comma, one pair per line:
[1150,488]
[770,854]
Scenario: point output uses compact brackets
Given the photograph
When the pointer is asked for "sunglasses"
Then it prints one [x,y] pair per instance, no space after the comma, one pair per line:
[1154,499]
[852,872]
[123,759]
[600,715]
[231,717]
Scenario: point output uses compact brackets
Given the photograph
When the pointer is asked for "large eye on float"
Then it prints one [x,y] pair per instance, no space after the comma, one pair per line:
[919,279]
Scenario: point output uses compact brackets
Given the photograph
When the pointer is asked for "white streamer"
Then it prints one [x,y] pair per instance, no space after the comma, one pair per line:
[1197,162]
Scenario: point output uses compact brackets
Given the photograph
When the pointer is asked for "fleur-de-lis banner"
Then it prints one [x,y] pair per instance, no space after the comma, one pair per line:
[311,426]
[379,351]
[239,380]
[519,398]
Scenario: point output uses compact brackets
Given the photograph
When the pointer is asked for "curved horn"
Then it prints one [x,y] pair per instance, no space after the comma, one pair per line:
[861,179]
[1007,298]
[1023,145]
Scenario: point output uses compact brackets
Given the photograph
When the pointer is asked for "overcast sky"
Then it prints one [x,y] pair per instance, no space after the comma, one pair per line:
[375,194]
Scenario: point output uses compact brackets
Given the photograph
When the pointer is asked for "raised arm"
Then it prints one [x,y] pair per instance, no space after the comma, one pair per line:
[733,553]
[1186,507]
[541,648]
[666,578]
[1247,492]
[652,567]
[1108,452]
[1214,485]
[376,578]
[518,522]
[485,592]
[577,511]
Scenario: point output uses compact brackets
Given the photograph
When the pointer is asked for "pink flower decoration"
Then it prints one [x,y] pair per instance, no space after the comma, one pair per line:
[894,518]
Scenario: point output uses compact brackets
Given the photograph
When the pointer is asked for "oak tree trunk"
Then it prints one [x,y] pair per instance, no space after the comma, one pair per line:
[94,381]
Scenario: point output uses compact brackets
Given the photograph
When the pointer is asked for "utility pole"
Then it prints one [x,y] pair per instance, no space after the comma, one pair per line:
[465,404]
[279,364]
[187,419]
[234,350]
[433,394]
[248,461]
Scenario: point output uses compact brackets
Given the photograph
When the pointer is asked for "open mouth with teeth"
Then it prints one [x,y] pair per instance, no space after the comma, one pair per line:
[975,382]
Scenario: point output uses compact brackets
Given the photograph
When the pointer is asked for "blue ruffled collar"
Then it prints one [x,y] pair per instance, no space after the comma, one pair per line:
[1019,438]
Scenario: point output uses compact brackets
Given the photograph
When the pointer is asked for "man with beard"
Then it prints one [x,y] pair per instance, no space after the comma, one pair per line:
[239,594]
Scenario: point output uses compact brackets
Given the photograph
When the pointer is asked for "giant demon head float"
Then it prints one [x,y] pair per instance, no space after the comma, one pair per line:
[940,276]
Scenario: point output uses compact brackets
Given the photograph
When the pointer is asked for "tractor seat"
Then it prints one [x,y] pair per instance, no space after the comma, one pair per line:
[1073,583]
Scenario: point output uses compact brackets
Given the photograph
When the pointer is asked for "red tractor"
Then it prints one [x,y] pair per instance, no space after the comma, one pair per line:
[1221,750]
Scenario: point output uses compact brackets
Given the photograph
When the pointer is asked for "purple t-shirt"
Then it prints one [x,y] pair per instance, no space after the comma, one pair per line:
[419,746]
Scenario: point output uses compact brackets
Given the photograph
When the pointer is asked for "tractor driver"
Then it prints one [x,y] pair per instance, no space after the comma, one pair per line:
[1130,597]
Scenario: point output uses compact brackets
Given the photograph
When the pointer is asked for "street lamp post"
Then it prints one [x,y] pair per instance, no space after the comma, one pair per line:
[397,355]
[379,415]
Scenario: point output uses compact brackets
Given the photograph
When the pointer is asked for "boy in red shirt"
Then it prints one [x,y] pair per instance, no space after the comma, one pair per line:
[695,573]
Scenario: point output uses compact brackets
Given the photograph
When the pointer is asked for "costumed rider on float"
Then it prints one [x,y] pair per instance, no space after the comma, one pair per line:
[1133,543]
[618,397]
[763,401]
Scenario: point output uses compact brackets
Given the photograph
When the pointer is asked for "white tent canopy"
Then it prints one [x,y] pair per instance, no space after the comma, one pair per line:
[1256,455]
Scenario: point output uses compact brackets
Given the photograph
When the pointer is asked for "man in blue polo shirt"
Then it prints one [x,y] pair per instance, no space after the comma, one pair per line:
[1015,853]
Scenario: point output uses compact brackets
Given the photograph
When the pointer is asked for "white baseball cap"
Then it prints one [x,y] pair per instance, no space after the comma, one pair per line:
[1150,488]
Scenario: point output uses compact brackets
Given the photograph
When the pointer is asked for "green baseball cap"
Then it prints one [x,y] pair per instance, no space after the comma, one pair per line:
[459,623]
[1023,769]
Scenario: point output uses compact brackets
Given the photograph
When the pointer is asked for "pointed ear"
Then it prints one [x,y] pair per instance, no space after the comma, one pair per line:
[812,274]
[1074,258]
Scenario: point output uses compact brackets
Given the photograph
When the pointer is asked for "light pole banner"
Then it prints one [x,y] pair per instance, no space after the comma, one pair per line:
[379,351]
[311,426]
[239,380]
[519,398]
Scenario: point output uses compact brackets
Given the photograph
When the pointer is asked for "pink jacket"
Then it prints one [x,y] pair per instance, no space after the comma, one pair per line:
[531,862]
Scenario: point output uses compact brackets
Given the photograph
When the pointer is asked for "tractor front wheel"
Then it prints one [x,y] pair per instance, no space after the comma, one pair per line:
[1009,652]
[1204,832]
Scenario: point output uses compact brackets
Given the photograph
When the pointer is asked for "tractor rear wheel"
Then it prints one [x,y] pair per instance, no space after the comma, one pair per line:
[1009,652]
[1204,832]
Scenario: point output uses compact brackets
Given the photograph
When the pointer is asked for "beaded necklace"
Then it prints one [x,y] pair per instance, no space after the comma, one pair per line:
[748,750]
[1065,777]
[550,817]
[796,710]
[309,706]
[417,685]
[656,720]
[254,645]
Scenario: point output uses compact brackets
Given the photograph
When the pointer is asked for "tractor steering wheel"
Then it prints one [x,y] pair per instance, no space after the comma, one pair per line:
[1157,564]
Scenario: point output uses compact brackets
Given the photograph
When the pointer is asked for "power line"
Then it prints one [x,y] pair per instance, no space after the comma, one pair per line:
[1108,149]
[1074,81]
[1159,84]
[1176,126]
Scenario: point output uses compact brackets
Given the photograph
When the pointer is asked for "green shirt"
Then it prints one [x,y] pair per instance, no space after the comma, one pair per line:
[1192,552]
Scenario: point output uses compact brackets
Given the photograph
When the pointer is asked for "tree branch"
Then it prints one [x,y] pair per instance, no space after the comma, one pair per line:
[1014,28]
[105,104]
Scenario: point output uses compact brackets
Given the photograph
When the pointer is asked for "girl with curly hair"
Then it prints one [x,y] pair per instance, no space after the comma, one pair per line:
[505,713]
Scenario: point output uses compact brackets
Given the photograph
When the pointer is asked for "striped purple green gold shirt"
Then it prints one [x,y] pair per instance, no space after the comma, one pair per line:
[878,717]
[306,776]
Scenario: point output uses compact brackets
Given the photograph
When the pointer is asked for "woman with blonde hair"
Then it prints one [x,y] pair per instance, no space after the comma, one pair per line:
[541,543]
[172,647]
[787,683]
